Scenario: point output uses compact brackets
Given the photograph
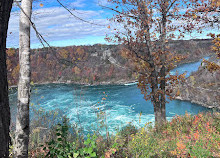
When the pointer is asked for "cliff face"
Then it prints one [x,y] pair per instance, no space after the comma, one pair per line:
[202,87]
[97,64]
[193,49]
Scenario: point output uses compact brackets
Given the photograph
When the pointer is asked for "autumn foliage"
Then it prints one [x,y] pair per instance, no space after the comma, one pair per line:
[185,136]
[211,66]
[147,27]
[54,66]
[78,64]
[205,14]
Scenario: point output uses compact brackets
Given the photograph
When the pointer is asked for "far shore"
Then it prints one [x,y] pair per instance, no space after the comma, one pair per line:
[120,82]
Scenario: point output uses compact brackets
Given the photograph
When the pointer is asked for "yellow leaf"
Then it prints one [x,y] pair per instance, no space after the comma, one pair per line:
[178,92]
[32,83]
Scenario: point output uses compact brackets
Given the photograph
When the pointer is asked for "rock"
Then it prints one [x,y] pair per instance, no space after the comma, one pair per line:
[202,87]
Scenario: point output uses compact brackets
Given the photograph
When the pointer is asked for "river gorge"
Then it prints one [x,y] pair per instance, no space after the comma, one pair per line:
[122,104]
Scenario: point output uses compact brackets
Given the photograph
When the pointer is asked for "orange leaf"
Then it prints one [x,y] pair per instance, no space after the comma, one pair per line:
[180,145]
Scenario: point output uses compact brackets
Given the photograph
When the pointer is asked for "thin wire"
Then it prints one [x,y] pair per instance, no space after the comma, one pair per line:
[39,36]
[77,16]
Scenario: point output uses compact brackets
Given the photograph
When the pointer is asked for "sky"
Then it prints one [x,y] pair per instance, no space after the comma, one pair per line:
[60,28]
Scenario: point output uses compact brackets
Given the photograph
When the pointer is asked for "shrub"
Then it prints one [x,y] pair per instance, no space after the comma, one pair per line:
[62,148]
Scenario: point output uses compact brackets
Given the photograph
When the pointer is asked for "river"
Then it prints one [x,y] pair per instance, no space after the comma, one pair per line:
[121,103]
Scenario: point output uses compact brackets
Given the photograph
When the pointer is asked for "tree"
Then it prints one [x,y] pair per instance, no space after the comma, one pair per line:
[214,21]
[206,13]
[22,119]
[147,27]
[5,9]
[211,66]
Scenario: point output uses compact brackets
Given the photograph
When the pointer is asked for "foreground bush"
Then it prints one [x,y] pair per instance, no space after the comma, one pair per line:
[61,147]
[184,136]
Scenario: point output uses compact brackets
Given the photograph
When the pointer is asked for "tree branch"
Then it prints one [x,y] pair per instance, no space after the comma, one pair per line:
[42,39]
[77,16]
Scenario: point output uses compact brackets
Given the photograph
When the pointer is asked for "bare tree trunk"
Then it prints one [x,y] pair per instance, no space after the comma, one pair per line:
[5,9]
[157,113]
[163,69]
[22,119]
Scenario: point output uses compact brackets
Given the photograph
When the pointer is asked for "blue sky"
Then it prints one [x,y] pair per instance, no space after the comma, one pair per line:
[61,29]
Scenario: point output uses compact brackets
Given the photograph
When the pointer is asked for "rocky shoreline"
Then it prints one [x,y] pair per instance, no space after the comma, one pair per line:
[202,98]
[202,87]
[120,82]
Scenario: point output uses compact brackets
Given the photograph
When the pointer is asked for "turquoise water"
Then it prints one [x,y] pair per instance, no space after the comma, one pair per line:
[190,67]
[123,103]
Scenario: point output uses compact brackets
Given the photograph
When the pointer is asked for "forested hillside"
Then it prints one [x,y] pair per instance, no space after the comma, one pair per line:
[92,64]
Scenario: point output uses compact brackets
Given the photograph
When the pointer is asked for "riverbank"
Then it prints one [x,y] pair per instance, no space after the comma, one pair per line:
[205,97]
[204,103]
[120,82]
[202,87]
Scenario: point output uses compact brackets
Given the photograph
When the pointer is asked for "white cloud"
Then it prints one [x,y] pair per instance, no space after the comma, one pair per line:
[102,2]
[56,24]
[78,4]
